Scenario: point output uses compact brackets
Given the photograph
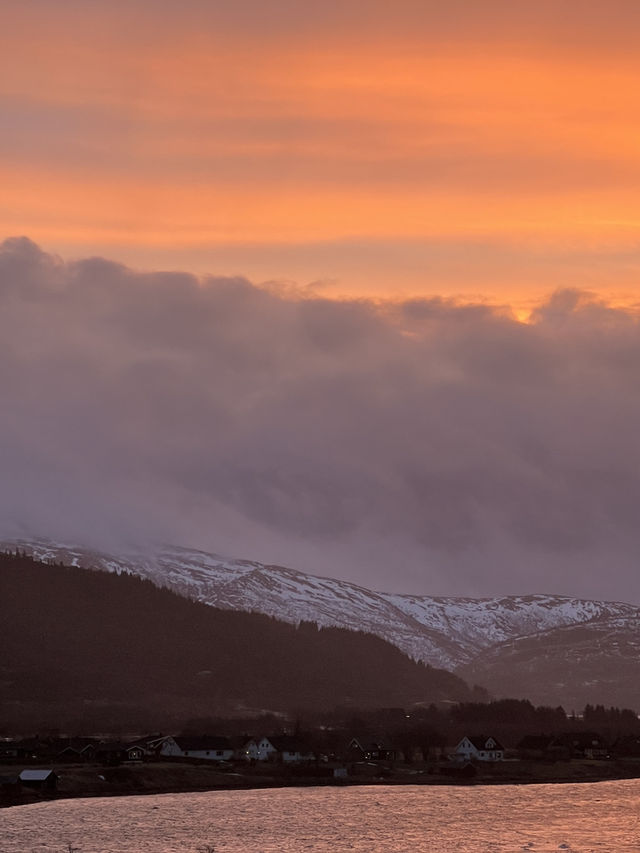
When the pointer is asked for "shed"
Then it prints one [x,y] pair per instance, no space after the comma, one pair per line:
[39,778]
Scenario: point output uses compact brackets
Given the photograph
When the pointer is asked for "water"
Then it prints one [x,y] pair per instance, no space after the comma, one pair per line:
[585,818]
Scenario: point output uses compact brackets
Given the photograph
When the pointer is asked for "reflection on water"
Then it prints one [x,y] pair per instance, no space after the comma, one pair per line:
[585,818]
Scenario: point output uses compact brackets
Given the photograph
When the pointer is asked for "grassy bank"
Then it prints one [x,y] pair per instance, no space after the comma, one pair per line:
[94,780]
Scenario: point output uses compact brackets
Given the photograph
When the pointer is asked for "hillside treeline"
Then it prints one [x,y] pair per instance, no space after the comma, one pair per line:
[83,649]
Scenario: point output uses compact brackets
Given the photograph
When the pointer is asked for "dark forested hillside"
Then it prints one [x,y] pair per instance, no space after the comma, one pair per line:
[93,649]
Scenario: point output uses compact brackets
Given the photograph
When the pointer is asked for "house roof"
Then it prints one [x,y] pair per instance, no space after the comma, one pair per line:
[36,775]
[118,747]
[241,741]
[202,743]
[480,742]
[289,743]
[584,740]
[370,743]
[76,744]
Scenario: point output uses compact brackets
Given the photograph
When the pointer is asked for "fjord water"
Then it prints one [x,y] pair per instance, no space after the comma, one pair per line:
[583,818]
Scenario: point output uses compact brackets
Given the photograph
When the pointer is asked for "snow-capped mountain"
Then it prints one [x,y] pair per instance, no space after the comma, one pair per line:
[444,632]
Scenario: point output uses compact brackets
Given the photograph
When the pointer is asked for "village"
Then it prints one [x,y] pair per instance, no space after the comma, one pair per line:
[57,767]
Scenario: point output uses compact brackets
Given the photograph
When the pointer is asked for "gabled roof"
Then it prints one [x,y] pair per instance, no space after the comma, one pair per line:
[583,740]
[78,745]
[480,742]
[111,747]
[117,747]
[370,744]
[289,743]
[242,741]
[150,742]
[202,743]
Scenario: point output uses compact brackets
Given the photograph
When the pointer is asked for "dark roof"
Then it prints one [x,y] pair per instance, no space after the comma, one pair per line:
[202,743]
[290,743]
[240,741]
[76,744]
[110,747]
[480,742]
[371,744]
[117,747]
[583,740]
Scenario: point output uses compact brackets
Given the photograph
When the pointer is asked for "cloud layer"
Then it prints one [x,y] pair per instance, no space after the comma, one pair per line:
[463,147]
[418,445]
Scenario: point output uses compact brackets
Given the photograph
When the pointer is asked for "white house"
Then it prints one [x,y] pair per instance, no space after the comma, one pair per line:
[205,747]
[247,750]
[479,748]
[291,750]
[283,748]
[265,749]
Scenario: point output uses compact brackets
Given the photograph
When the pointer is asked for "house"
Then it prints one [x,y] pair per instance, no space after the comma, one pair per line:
[207,747]
[77,749]
[291,750]
[542,748]
[245,749]
[39,779]
[627,747]
[150,744]
[585,744]
[265,749]
[36,747]
[116,753]
[287,749]
[370,749]
[479,748]
[9,749]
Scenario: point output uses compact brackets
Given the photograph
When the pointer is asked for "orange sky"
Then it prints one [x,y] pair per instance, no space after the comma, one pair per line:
[491,156]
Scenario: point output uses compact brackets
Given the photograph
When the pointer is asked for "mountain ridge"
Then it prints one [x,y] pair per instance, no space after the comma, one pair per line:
[443,631]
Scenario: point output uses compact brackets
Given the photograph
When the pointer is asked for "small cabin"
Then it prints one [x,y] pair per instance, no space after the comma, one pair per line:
[45,779]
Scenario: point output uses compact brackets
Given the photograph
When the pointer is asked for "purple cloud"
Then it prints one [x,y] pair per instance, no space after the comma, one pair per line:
[422,446]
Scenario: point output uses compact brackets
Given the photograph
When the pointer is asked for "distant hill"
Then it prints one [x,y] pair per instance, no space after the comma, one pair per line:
[103,649]
[575,665]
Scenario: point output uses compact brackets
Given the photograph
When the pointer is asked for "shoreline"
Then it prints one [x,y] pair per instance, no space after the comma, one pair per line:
[89,781]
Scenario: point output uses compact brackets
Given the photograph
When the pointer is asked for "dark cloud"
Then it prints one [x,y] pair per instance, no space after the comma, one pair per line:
[421,445]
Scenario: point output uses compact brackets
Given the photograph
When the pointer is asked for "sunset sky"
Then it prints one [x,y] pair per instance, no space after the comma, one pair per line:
[410,352]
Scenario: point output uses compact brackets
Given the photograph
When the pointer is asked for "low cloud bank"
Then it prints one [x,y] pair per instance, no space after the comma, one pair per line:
[421,446]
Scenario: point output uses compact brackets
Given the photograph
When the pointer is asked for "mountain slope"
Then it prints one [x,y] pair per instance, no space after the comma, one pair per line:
[77,642]
[596,662]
